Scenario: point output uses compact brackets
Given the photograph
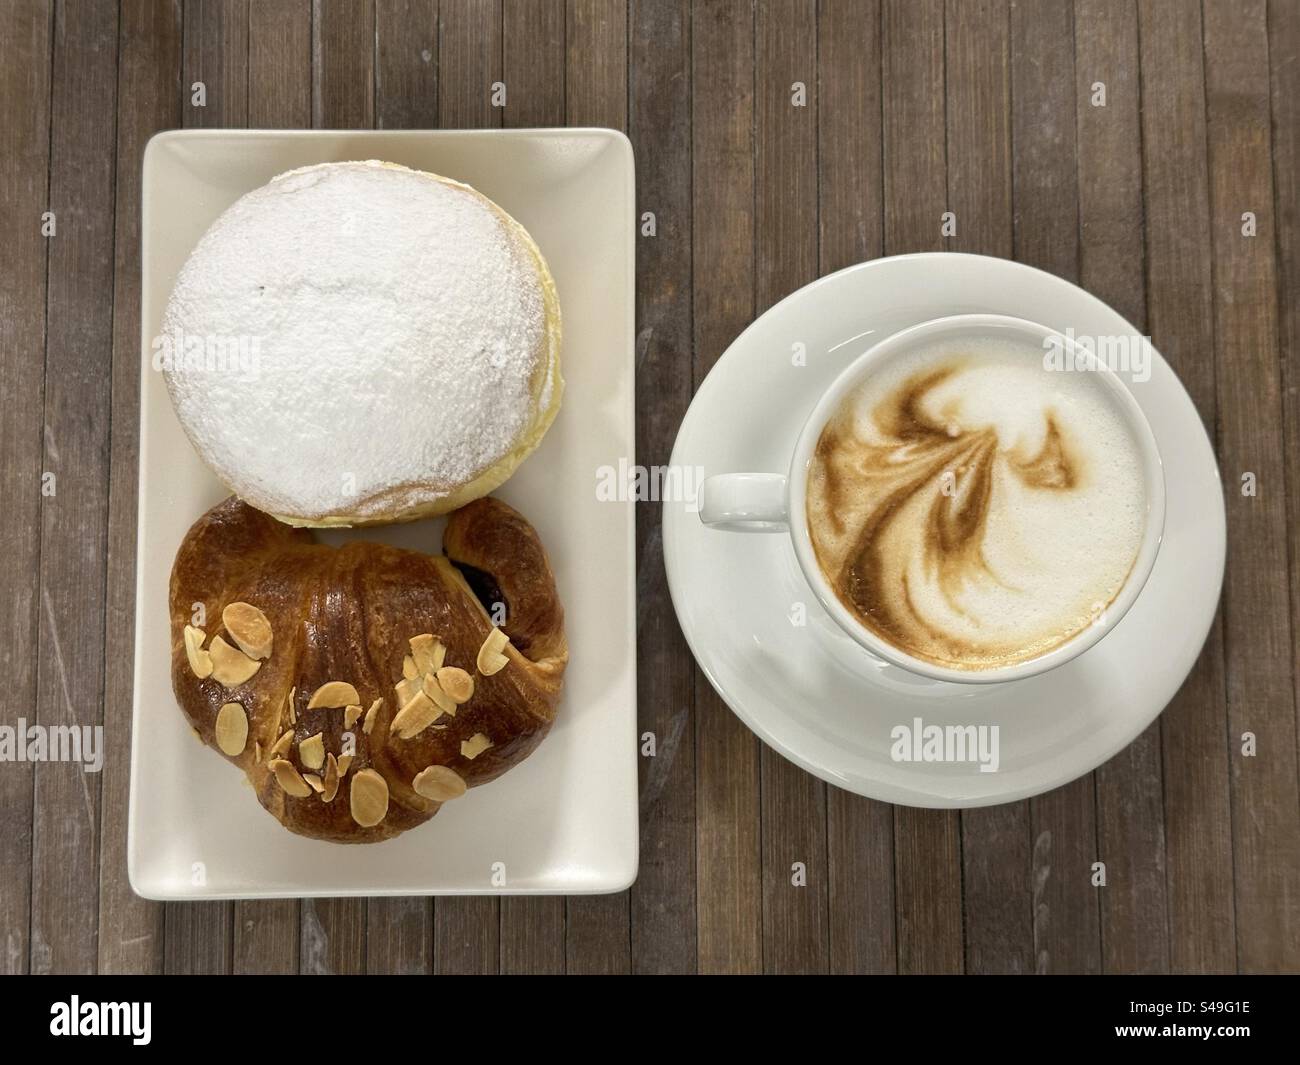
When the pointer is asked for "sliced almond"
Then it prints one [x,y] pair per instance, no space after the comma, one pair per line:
[314,782]
[406,689]
[257,751]
[439,783]
[409,669]
[416,716]
[232,729]
[474,746]
[369,722]
[333,693]
[249,628]
[293,714]
[444,702]
[331,781]
[312,751]
[369,798]
[490,658]
[458,684]
[199,659]
[281,746]
[350,715]
[230,666]
[428,652]
[290,779]
[345,761]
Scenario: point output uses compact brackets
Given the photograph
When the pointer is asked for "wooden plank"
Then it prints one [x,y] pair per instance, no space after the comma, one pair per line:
[533,48]
[200,935]
[793,809]
[597,939]
[343,64]
[728,858]
[25,85]
[588,74]
[996,844]
[1284,66]
[266,931]
[859,831]
[279,64]
[332,937]
[1261,652]
[466,935]
[1130,810]
[1044,176]
[149,63]
[596,65]
[74,520]
[927,845]
[663,920]
[469,62]
[399,936]
[532,935]
[406,64]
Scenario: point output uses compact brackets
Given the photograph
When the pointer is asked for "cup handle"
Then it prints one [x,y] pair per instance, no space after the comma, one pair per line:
[744,502]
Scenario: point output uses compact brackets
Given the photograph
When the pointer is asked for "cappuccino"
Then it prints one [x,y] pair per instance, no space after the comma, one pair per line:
[973,508]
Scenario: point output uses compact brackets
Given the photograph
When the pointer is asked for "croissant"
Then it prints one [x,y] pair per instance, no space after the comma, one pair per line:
[360,688]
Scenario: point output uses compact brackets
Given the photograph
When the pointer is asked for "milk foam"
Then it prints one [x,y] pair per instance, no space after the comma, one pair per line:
[974,508]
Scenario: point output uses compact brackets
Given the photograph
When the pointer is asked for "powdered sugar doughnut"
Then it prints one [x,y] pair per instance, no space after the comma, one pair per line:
[356,343]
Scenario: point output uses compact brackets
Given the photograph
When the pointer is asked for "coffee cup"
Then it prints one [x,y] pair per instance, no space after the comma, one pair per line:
[1072,456]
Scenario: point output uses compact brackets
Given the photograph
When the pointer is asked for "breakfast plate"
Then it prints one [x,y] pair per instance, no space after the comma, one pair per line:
[793,676]
[565,819]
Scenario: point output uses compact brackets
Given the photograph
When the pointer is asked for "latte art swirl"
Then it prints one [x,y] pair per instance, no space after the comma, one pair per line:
[973,509]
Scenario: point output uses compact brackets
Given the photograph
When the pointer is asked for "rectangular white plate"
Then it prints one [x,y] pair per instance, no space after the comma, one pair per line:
[564,820]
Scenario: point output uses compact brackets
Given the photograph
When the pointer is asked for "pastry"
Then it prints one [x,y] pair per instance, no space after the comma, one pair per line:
[359,343]
[362,687]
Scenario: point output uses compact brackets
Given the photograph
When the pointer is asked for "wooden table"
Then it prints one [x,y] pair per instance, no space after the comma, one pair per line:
[978,107]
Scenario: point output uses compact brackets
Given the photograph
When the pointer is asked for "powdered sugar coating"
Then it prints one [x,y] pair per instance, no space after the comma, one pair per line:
[402,341]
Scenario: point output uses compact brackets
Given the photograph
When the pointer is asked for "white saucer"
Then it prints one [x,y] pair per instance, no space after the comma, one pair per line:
[808,690]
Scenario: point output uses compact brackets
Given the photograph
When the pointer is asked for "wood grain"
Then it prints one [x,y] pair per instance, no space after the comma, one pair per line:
[1198,818]
[663,899]
[343,64]
[469,63]
[927,843]
[74,520]
[1257,611]
[149,65]
[728,857]
[1284,67]
[406,64]
[25,87]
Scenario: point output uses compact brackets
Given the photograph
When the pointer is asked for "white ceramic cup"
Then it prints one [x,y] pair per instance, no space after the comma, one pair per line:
[774,502]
